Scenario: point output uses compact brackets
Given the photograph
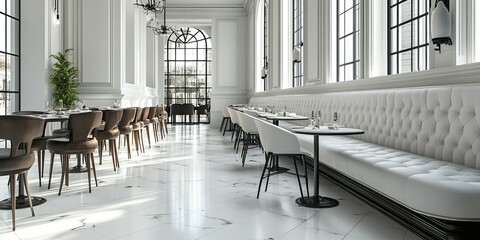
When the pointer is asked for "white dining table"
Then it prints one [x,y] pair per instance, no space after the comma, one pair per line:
[317,201]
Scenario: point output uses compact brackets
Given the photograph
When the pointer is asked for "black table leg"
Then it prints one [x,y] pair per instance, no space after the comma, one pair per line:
[79,168]
[316,201]
[22,200]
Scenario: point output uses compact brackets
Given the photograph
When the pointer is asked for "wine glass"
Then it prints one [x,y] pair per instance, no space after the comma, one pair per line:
[335,120]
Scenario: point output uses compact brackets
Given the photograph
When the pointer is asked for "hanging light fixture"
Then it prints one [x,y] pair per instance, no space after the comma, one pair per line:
[441,25]
[264,72]
[158,28]
[57,11]
[151,6]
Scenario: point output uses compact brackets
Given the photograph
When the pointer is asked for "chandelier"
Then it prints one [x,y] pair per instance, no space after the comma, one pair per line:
[151,6]
[157,27]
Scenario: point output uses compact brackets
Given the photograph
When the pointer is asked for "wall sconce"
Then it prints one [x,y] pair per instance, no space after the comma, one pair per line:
[441,25]
[57,11]
[264,73]
[296,54]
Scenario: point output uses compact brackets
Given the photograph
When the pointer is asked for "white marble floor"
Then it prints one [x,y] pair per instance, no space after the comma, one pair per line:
[190,186]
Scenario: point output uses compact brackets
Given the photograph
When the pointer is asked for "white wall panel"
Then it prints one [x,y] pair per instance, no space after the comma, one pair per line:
[227,52]
[96,47]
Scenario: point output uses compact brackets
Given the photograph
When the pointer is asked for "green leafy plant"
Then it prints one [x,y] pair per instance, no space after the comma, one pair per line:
[64,78]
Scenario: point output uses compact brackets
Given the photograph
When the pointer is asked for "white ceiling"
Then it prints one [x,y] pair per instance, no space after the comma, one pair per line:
[209,3]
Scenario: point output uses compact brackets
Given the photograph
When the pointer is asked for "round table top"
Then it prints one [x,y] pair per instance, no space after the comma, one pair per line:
[324,130]
[287,118]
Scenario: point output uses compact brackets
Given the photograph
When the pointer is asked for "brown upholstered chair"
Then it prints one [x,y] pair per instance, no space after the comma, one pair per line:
[125,127]
[144,125]
[137,127]
[162,120]
[20,131]
[153,121]
[81,140]
[203,110]
[39,144]
[184,110]
[110,132]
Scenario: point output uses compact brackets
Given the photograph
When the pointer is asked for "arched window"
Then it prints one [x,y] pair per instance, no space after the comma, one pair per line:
[188,64]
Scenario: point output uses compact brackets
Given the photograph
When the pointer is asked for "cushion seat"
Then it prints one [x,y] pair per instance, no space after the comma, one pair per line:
[15,165]
[63,146]
[415,181]
[108,134]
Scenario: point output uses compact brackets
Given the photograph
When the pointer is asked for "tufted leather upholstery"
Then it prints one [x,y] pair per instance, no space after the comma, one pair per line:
[421,147]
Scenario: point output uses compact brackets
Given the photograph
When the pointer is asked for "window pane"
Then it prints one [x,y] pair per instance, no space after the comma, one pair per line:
[2,30]
[13,8]
[12,73]
[13,32]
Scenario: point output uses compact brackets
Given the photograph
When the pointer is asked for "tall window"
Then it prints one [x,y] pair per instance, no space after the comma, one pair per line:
[188,64]
[298,41]
[408,35]
[9,56]
[348,38]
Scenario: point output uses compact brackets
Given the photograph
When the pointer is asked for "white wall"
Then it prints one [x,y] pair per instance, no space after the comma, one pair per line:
[40,37]
[319,76]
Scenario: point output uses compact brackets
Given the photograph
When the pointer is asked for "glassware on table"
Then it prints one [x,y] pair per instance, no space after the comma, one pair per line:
[313,121]
[318,121]
[335,120]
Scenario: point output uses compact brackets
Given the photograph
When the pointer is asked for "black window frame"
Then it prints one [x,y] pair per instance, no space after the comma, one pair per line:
[355,34]
[180,39]
[297,35]
[7,94]
[415,46]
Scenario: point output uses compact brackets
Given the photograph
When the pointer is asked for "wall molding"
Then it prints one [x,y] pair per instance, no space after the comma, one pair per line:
[463,74]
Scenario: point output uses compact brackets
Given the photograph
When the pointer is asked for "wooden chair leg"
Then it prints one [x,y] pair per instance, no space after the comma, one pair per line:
[27,189]
[51,169]
[94,170]
[62,178]
[43,161]
[129,152]
[116,153]
[87,156]
[13,197]
[100,150]
[110,143]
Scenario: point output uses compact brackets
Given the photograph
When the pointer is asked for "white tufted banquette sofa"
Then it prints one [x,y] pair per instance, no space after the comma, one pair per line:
[420,150]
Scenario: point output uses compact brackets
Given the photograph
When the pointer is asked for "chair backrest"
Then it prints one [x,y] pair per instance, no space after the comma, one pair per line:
[161,111]
[145,112]
[250,112]
[233,115]
[127,117]
[225,112]
[81,125]
[275,139]
[152,112]
[247,123]
[138,115]
[182,109]
[112,118]
[203,109]
[20,129]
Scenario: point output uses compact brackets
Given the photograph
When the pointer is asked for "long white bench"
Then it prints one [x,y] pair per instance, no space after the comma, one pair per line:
[420,152]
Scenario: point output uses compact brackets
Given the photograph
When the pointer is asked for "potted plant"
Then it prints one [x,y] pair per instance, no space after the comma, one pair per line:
[64,78]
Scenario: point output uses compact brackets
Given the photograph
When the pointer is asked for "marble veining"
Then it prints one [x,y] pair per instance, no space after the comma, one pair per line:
[191,186]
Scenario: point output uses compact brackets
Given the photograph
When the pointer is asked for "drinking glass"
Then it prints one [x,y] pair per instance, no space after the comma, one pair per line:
[335,120]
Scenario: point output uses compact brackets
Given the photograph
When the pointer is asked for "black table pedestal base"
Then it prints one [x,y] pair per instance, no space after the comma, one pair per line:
[78,169]
[317,202]
[22,202]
